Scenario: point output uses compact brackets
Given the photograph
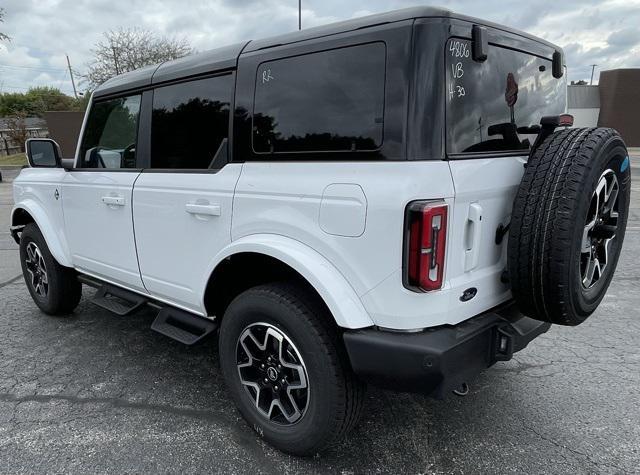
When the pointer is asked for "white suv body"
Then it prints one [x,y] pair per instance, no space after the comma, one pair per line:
[360,175]
[340,225]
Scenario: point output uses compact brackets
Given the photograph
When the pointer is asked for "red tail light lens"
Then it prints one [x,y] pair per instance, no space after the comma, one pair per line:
[425,245]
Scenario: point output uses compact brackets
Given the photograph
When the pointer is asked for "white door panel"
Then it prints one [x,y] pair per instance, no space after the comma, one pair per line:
[99,224]
[182,220]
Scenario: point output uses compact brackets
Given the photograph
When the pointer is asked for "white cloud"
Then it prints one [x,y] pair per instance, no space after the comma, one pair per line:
[603,32]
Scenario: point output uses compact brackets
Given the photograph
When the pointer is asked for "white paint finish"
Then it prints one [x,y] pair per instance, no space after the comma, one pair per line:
[284,198]
[486,188]
[99,225]
[343,210]
[337,293]
[34,191]
[294,212]
[182,220]
[585,117]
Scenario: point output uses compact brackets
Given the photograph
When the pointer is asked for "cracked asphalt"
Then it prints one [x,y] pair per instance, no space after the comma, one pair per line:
[98,393]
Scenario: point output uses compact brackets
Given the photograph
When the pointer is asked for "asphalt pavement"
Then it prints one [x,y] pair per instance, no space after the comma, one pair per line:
[98,393]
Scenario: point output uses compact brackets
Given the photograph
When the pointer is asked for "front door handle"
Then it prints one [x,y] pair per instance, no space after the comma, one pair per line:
[202,209]
[113,200]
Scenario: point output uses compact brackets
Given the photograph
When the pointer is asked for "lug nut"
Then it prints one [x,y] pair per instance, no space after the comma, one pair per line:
[283,381]
[262,365]
[266,380]
[276,388]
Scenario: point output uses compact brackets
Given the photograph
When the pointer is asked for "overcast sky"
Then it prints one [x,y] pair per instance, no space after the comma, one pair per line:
[605,32]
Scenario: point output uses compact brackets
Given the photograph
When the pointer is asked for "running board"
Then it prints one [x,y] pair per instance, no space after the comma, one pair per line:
[119,301]
[182,326]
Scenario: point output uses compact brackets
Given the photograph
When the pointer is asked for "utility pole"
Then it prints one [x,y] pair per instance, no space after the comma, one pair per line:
[299,14]
[593,68]
[73,82]
[115,59]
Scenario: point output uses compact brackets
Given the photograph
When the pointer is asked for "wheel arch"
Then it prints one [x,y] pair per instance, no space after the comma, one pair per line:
[26,213]
[257,259]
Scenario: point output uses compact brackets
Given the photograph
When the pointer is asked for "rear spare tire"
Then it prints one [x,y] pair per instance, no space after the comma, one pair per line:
[568,224]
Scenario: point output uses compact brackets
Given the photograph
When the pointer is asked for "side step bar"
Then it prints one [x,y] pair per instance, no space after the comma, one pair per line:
[119,301]
[183,326]
[178,324]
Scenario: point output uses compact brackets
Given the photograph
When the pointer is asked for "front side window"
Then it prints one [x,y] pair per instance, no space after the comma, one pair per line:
[110,134]
[321,102]
[492,105]
[190,124]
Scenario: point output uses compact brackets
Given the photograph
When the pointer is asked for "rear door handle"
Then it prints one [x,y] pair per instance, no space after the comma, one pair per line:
[209,210]
[113,200]
[472,254]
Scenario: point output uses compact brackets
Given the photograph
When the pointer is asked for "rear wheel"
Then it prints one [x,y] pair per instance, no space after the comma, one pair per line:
[286,369]
[54,288]
[568,224]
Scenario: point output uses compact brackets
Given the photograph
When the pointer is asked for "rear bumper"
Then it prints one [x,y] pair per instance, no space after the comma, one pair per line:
[438,360]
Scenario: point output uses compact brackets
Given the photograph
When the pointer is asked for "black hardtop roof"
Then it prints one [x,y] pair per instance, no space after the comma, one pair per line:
[227,57]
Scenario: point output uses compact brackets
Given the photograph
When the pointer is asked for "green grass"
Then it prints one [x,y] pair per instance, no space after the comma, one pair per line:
[15,159]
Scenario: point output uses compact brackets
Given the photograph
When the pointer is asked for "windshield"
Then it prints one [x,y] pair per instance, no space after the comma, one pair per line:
[492,104]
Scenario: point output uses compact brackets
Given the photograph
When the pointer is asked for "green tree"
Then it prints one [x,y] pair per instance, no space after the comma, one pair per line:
[38,100]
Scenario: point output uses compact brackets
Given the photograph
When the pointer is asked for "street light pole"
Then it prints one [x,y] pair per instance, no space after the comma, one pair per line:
[593,68]
[299,14]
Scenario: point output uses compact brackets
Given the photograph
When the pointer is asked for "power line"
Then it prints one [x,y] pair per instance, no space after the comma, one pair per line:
[3,65]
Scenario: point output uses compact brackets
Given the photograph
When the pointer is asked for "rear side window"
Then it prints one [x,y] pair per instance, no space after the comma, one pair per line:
[190,124]
[110,134]
[491,104]
[321,102]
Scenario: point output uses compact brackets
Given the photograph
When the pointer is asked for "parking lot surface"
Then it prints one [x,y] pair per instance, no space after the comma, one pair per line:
[98,393]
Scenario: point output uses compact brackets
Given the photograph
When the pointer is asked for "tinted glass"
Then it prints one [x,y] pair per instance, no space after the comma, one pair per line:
[190,124]
[327,101]
[490,103]
[42,153]
[110,134]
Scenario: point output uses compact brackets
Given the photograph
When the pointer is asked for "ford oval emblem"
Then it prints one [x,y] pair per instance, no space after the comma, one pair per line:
[468,294]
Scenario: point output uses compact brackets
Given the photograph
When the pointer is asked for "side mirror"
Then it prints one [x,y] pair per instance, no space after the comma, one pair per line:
[43,153]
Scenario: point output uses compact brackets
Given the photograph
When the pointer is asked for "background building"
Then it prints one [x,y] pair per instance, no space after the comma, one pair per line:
[615,102]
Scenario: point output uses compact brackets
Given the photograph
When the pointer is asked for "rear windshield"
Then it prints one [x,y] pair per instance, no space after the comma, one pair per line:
[490,104]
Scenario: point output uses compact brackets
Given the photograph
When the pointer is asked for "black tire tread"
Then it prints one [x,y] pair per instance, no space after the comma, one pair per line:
[66,291]
[351,391]
[543,223]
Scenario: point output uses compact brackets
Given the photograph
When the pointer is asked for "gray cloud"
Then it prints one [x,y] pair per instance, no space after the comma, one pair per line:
[603,32]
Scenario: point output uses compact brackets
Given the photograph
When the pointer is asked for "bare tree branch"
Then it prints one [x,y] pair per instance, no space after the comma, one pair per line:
[3,37]
[124,50]
[17,125]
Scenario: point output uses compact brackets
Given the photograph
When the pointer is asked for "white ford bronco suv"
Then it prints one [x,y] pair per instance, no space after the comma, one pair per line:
[384,200]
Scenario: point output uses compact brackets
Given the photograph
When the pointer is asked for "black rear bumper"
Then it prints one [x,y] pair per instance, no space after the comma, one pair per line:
[438,360]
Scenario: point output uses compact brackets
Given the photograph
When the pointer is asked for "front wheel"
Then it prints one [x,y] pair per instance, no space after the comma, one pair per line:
[286,369]
[54,288]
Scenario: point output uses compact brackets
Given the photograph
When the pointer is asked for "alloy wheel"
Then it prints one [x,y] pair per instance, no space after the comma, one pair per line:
[273,373]
[600,229]
[37,270]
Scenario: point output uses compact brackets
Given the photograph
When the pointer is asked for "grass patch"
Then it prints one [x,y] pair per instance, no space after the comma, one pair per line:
[15,159]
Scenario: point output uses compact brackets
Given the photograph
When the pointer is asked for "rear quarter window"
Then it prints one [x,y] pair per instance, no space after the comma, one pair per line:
[329,101]
[489,103]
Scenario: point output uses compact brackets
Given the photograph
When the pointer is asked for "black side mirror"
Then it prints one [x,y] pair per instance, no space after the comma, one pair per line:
[43,153]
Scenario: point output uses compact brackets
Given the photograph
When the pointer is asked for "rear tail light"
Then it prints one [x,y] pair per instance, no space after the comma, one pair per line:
[425,241]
